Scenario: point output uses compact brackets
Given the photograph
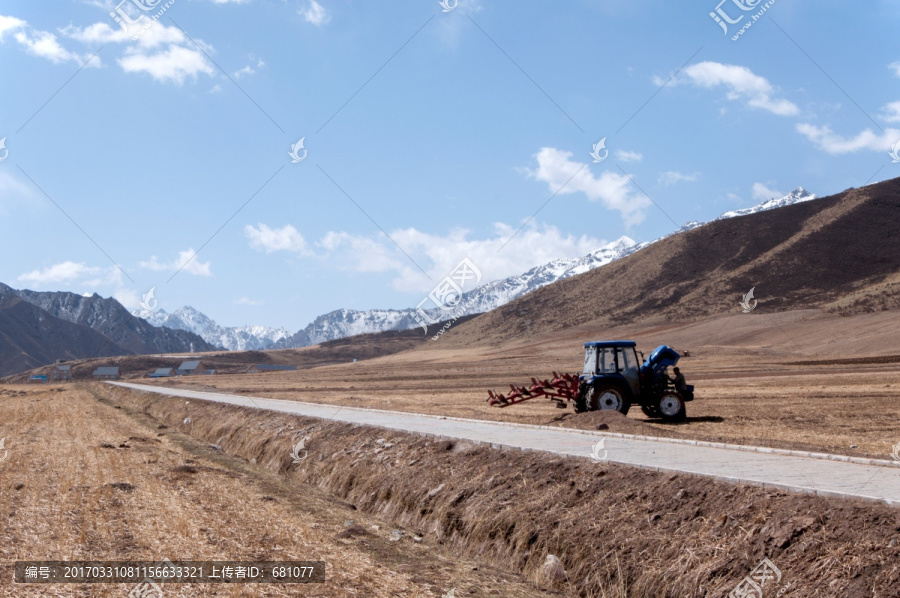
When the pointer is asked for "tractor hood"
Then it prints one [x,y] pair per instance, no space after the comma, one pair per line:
[662,357]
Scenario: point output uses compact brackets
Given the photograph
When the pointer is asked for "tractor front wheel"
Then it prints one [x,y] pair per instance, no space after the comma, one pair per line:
[671,406]
[603,396]
[650,410]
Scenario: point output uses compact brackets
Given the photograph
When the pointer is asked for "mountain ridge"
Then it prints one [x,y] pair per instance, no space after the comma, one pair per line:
[840,254]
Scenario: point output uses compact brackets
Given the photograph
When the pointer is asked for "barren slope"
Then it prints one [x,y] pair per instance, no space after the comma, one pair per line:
[841,251]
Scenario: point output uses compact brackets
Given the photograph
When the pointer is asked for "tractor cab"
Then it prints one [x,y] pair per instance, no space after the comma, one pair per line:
[612,359]
[614,378]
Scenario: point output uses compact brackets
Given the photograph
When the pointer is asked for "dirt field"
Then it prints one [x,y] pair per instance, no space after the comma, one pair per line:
[617,531]
[487,519]
[86,480]
[785,381]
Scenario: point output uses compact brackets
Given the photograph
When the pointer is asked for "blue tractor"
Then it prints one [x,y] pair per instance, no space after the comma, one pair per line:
[614,378]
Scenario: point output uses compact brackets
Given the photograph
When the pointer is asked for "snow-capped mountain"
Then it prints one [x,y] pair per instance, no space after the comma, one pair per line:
[798,195]
[499,292]
[239,338]
[342,323]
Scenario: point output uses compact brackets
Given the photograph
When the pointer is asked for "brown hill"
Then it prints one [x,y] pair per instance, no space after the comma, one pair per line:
[840,253]
[30,337]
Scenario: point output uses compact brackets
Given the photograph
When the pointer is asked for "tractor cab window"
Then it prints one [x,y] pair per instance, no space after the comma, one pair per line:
[628,360]
[590,360]
[607,361]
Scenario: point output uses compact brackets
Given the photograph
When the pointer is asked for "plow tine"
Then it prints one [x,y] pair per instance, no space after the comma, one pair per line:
[562,388]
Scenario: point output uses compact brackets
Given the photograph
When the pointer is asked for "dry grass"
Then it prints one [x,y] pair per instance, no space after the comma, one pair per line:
[758,381]
[618,531]
[58,502]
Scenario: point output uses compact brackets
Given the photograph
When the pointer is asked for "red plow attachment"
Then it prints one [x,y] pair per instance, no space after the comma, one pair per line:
[563,387]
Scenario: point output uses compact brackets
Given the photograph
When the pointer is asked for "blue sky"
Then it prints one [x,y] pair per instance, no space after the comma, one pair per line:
[429,137]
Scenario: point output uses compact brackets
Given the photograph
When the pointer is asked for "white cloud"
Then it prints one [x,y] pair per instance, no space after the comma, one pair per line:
[73,272]
[626,156]
[248,70]
[763,193]
[248,301]
[363,254]
[613,190]
[45,45]
[270,240]
[439,255]
[62,272]
[104,33]
[174,64]
[672,177]
[741,84]
[891,112]
[165,53]
[186,262]
[10,24]
[828,141]
[315,13]
[896,68]
[40,43]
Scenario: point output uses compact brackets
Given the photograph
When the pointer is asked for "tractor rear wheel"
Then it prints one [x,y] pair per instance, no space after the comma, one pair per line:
[608,396]
[581,399]
[671,406]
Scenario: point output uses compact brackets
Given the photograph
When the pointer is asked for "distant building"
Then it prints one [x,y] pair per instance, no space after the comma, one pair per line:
[210,372]
[61,372]
[37,379]
[258,368]
[106,373]
[163,373]
[191,368]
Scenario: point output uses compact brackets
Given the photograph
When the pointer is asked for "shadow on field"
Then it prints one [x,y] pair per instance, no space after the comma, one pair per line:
[716,419]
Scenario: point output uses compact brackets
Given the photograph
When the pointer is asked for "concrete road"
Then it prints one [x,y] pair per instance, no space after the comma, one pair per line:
[815,473]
